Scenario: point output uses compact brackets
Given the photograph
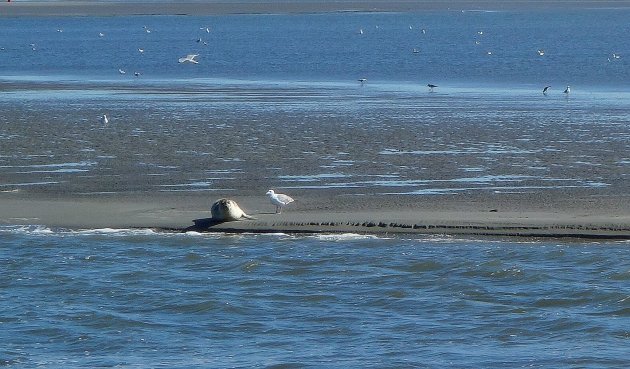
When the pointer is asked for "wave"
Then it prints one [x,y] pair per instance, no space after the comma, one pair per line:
[345,237]
[44,230]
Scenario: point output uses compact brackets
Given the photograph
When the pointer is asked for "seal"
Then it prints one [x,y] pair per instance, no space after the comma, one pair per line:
[225,210]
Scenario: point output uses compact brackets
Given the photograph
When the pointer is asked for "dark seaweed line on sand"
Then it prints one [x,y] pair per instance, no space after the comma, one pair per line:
[568,231]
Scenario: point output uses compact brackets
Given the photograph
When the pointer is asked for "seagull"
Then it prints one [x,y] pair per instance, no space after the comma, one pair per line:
[190,58]
[279,200]
[567,90]
[140,51]
[104,119]
[362,80]
[431,86]
[545,90]
[101,34]
[415,51]
[137,74]
[121,71]
[541,52]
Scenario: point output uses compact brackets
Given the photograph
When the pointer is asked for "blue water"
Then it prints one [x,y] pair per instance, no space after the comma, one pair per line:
[125,298]
[453,47]
[137,298]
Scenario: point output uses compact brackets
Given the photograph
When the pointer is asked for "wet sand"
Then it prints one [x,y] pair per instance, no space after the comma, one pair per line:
[163,159]
[103,8]
[462,215]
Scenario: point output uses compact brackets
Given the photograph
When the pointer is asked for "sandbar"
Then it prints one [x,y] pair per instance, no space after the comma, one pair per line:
[593,218]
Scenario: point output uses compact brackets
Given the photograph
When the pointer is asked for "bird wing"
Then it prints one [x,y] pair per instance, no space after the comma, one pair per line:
[285,199]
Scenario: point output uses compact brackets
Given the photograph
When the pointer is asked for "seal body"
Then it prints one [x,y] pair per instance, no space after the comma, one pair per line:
[226,210]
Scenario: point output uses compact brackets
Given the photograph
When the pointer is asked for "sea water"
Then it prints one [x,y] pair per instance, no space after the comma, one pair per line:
[137,298]
[140,298]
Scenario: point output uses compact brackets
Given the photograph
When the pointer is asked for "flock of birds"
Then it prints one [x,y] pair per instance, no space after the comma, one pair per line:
[431,86]
[540,52]
[190,58]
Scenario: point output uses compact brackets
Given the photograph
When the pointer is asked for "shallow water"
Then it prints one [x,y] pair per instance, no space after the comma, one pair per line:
[275,102]
[371,139]
[136,298]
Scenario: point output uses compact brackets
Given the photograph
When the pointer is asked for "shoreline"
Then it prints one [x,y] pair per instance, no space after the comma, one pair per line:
[191,213]
[188,8]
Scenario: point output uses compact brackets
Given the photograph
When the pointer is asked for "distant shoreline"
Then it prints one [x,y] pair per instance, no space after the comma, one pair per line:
[216,7]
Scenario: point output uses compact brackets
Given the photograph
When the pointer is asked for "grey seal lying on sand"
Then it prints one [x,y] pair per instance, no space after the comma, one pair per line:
[225,210]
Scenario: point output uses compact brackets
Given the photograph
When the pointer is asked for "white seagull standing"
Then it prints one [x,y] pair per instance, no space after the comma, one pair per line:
[190,58]
[279,200]
[104,119]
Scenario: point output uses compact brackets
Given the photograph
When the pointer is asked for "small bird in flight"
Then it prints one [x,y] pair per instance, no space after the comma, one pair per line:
[190,58]
[431,87]
[545,89]
[567,90]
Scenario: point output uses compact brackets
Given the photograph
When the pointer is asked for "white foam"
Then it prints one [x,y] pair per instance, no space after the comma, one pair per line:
[26,229]
[345,237]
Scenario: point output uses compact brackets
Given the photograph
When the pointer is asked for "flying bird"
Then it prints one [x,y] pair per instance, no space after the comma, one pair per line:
[431,87]
[567,90]
[362,80]
[545,89]
[279,200]
[190,58]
